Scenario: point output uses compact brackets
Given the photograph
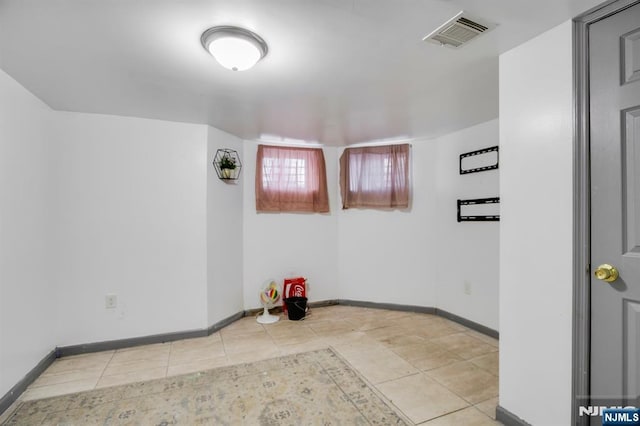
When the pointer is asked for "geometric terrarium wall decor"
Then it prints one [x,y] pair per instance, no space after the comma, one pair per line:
[227,164]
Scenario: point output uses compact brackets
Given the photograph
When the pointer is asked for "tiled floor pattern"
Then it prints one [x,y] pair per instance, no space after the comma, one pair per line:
[434,371]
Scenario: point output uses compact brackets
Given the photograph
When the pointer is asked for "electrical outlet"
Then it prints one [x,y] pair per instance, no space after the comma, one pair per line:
[467,287]
[110,301]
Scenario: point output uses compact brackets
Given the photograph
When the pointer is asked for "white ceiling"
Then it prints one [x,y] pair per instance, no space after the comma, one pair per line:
[337,72]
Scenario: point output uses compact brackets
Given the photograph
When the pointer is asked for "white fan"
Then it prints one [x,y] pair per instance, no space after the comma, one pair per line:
[269,295]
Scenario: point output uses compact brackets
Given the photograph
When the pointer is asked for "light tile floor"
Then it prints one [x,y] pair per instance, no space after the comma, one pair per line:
[434,371]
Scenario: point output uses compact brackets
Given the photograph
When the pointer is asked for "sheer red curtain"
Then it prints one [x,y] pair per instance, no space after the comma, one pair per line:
[375,177]
[291,179]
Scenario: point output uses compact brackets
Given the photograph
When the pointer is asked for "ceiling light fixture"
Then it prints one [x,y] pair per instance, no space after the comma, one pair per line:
[234,48]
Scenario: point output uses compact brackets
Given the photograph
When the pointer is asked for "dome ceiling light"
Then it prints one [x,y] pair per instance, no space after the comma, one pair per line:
[234,48]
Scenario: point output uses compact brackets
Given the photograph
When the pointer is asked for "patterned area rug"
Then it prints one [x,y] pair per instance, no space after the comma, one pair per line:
[313,388]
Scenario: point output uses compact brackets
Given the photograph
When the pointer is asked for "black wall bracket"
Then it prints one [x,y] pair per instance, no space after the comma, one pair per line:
[478,218]
[480,152]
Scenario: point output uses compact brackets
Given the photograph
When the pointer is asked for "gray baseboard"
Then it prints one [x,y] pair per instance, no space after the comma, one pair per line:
[389,306]
[424,310]
[164,337]
[13,394]
[507,418]
[145,340]
[109,345]
[278,309]
[225,322]
[63,351]
[468,323]
[21,386]
[190,334]
[323,303]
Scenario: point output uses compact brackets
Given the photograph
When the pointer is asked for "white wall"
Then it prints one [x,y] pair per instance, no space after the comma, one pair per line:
[26,290]
[130,215]
[423,256]
[390,256]
[224,232]
[536,227]
[277,245]
[419,256]
[467,252]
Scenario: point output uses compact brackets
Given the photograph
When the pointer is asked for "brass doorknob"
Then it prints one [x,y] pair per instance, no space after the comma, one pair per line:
[606,272]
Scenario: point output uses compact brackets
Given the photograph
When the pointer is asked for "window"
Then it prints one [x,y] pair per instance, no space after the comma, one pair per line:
[375,177]
[291,179]
[291,170]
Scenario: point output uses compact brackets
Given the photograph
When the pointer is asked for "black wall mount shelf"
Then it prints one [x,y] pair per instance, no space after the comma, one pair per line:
[491,166]
[477,218]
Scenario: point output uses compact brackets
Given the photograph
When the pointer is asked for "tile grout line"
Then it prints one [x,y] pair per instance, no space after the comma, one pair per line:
[452,412]
[65,373]
[454,392]
[396,378]
[476,406]
[166,369]
[104,369]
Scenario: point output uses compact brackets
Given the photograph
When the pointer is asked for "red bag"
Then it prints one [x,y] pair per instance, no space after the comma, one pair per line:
[293,287]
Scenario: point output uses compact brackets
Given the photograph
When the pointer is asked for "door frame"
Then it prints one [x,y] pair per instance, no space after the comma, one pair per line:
[582,203]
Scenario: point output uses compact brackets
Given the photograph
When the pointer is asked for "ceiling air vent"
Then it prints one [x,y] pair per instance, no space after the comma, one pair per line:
[458,30]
